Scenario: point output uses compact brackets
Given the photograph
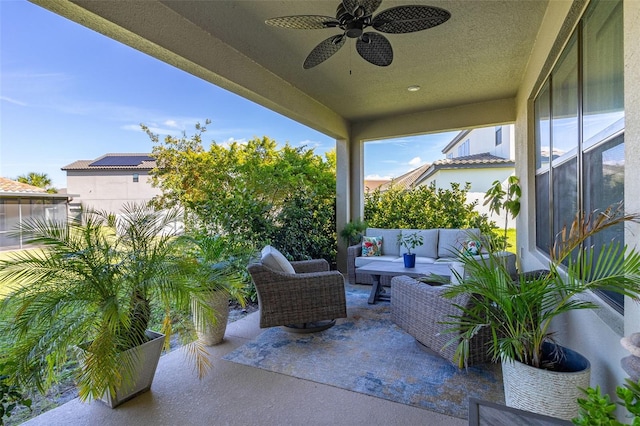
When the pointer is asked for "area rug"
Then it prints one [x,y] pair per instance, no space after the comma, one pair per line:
[368,353]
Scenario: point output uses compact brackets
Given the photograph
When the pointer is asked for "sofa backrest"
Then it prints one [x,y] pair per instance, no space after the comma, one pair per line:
[390,245]
[429,247]
[451,241]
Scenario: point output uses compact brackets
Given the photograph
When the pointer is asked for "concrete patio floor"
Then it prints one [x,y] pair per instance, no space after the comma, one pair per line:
[234,394]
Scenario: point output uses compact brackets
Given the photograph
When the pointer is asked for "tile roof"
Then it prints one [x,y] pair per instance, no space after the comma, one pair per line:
[481,159]
[11,186]
[407,180]
[86,164]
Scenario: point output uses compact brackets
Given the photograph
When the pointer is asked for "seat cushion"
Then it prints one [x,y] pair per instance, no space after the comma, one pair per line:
[276,261]
[419,259]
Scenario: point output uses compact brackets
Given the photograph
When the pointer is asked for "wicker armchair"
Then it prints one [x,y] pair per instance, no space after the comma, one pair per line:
[309,300]
[418,308]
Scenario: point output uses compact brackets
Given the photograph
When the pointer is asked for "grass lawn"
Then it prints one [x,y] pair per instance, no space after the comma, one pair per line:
[511,241]
[4,285]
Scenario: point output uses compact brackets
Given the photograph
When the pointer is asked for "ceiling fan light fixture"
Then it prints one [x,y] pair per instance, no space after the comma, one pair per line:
[353,17]
[413,88]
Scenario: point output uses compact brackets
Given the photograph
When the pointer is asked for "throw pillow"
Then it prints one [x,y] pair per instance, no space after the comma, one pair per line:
[371,246]
[275,260]
[472,247]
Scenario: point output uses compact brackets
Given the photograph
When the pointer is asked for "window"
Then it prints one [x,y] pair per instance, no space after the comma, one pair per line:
[579,130]
[136,177]
[463,149]
[498,135]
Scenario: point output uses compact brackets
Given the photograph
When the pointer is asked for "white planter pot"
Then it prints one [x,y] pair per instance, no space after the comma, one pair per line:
[212,334]
[147,357]
[543,391]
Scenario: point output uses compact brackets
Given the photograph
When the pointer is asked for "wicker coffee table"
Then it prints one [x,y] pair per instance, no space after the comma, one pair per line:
[378,268]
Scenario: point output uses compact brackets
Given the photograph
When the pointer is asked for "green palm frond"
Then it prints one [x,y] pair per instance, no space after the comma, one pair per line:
[520,311]
[93,285]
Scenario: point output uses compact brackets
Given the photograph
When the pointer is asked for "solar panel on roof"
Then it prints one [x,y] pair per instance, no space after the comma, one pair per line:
[121,160]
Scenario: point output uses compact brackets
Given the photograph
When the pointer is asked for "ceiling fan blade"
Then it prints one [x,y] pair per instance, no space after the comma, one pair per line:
[303,22]
[324,51]
[407,19]
[367,7]
[375,48]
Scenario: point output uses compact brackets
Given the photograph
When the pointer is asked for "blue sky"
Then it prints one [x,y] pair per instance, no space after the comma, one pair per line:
[68,93]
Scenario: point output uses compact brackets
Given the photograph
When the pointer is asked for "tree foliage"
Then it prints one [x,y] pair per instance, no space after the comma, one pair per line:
[424,207]
[41,180]
[253,192]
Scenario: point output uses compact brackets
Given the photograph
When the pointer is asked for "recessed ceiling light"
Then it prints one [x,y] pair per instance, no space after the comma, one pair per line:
[413,88]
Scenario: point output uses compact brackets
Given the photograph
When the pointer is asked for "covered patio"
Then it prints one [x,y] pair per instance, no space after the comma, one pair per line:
[489,64]
[236,394]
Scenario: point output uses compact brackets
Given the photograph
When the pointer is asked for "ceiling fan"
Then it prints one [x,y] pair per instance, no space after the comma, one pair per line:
[353,17]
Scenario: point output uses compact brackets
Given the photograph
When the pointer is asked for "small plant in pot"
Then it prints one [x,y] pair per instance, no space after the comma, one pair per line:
[410,241]
[519,312]
[93,287]
[208,261]
[352,232]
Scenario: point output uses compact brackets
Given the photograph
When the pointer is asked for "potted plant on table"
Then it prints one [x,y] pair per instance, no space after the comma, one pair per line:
[519,313]
[410,241]
[95,286]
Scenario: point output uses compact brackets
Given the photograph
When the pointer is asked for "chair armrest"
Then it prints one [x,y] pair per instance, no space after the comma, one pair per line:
[353,252]
[314,265]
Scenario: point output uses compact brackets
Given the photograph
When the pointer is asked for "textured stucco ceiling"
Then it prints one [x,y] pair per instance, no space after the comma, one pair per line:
[478,56]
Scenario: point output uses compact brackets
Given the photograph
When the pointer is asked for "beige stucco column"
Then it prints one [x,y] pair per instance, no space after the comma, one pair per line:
[349,190]
[343,192]
[632,141]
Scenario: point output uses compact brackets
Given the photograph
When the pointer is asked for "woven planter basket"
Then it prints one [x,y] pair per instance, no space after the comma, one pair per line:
[214,333]
[543,391]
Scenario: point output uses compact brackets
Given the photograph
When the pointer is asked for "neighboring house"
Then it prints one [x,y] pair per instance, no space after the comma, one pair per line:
[478,156]
[111,181]
[19,202]
[498,141]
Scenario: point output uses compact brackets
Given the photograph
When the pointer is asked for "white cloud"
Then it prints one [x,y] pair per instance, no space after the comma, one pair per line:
[415,161]
[171,123]
[13,101]
[227,142]
[377,177]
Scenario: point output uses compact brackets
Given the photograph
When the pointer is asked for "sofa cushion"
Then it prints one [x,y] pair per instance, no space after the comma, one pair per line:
[450,241]
[429,247]
[419,259]
[361,261]
[472,247]
[275,260]
[390,245]
[371,246]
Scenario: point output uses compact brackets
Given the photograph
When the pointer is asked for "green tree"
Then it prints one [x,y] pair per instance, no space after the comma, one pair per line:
[41,180]
[424,207]
[252,192]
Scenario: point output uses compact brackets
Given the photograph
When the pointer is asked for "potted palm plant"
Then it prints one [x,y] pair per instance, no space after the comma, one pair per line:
[209,262]
[95,286]
[410,241]
[519,313]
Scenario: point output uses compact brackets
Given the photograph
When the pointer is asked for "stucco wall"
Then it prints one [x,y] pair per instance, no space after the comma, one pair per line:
[595,334]
[111,189]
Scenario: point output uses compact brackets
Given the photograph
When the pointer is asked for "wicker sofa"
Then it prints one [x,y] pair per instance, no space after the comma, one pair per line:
[419,309]
[439,245]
